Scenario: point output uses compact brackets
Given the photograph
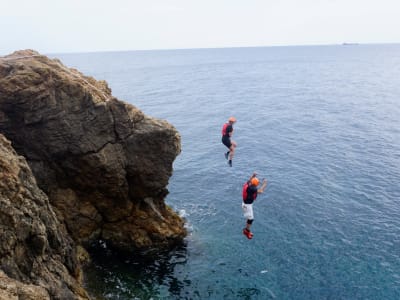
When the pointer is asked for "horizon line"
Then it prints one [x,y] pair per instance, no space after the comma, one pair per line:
[210,48]
[230,47]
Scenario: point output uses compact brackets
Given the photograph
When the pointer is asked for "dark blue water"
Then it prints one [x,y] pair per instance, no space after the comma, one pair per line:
[320,123]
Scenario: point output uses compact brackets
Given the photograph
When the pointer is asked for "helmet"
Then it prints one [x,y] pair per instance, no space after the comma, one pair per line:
[232,119]
[255,181]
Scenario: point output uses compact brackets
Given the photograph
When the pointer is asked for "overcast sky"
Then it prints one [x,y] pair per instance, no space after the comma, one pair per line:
[55,26]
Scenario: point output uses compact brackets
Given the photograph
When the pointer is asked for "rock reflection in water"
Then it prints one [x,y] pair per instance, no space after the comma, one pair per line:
[138,275]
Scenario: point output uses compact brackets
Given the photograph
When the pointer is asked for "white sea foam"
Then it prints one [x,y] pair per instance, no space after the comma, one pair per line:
[182,213]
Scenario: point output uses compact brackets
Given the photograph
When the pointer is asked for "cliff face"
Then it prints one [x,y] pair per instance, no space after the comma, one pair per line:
[38,259]
[103,164]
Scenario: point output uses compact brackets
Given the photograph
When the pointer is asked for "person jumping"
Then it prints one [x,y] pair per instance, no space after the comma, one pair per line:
[227,131]
[250,192]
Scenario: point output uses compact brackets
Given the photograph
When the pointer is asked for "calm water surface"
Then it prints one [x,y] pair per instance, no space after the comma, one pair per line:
[320,123]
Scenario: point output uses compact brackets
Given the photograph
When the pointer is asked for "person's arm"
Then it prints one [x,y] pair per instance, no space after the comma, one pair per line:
[230,130]
[263,186]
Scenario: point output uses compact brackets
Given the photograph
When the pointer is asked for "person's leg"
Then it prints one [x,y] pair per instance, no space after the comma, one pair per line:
[246,230]
[227,154]
[248,224]
[227,142]
[232,150]
[248,214]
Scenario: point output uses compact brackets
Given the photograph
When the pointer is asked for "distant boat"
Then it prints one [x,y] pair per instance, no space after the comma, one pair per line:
[349,44]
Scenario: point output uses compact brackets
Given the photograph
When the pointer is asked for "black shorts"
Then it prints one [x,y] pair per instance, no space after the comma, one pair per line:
[226,140]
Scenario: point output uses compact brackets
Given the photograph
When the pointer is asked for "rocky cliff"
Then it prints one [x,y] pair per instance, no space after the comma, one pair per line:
[102,164]
[38,259]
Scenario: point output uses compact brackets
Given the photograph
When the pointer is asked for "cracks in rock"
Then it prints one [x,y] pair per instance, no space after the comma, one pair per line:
[114,124]
[150,203]
[114,114]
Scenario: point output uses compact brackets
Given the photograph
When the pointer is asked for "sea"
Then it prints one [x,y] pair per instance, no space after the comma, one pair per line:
[320,123]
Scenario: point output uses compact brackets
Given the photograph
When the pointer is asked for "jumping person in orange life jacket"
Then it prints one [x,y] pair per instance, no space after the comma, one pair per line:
[250,192]
[227,131]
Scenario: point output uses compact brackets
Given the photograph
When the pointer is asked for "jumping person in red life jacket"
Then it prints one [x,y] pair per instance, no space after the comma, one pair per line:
[250,192]
[227,131]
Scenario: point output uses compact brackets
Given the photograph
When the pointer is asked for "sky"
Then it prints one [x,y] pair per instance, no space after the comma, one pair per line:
[62,26]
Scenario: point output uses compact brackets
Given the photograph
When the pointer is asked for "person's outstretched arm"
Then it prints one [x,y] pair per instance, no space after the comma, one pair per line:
[263,186]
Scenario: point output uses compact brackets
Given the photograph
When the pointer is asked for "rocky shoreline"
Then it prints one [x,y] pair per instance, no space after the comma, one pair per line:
[76,165]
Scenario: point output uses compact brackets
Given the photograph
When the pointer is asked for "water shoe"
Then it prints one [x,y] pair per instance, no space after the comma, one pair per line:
[247,233]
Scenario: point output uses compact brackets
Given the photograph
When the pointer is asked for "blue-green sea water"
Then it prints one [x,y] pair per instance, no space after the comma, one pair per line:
[321,123]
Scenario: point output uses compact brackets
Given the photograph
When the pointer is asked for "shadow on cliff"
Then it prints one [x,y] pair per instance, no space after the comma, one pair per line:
[150,274]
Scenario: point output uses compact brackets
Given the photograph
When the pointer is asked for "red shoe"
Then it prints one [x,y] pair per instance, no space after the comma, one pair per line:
[247,233]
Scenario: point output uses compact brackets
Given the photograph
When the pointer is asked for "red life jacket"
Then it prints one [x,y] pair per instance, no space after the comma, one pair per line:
[244,192]
[224,133]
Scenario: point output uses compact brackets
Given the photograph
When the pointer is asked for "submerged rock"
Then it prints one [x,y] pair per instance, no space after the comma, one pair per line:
[103,164]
